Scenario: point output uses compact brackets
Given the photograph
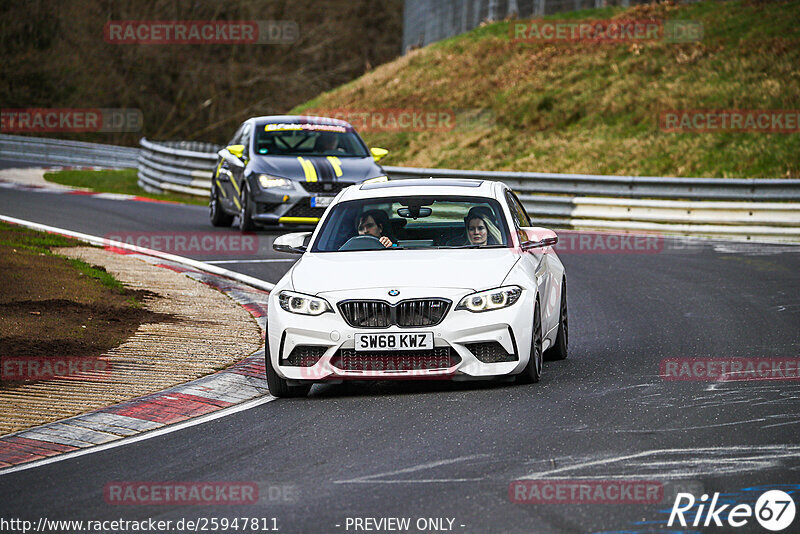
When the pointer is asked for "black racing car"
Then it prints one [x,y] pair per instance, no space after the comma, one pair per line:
[286,170]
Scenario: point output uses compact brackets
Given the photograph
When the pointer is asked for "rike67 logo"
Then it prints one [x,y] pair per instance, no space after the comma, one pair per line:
[774,510]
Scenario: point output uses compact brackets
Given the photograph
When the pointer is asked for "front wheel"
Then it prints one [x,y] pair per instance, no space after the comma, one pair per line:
[559,350]
[215,212]
[246,223]
[533,371]
[279,387]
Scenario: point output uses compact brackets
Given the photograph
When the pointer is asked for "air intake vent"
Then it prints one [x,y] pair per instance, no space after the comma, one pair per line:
[416,360]
[491,352]
[304,356]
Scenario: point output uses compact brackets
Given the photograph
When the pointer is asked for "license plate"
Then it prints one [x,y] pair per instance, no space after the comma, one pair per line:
[321,202]
[394,341]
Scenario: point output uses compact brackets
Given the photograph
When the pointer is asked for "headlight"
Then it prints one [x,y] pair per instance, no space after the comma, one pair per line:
[269,182]
[303,304]
[491,299]
[377,179]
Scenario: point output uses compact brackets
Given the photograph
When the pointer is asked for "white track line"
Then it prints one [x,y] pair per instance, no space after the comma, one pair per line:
[103,242]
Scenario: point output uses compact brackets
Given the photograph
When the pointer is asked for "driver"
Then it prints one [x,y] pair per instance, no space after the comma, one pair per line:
[326,142]
[376,224]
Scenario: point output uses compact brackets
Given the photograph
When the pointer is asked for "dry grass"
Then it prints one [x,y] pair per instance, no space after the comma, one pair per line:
[594,108]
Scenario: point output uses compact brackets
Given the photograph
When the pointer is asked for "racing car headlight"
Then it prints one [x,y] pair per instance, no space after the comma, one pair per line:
[491,299]
[271,182]
[377,179]
[303,304]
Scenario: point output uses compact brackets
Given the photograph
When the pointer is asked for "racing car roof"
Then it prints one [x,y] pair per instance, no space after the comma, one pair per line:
[302,119]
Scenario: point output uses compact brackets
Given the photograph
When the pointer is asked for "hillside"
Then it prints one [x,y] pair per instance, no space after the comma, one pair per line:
[594,107]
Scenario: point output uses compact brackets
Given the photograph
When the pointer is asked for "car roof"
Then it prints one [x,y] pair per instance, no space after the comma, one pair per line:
[423,186]
[301,119]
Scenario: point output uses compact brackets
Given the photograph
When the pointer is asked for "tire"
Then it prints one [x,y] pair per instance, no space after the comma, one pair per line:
[279,387]
[246,223]
[559,349]
[215,212]
[533,371]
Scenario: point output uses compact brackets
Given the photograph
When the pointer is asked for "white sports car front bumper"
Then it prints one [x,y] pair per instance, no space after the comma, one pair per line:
[328,342]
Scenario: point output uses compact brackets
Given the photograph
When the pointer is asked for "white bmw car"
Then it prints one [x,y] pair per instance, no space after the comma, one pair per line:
[414,279]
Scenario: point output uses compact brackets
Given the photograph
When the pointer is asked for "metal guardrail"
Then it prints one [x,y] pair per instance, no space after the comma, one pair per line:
[180,166]
[764,209]
[71,153]
[529,183]
[716,207]
[743,208]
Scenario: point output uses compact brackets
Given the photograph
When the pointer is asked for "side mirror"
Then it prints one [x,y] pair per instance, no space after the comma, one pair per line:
[233,155]
[236,150]
[292,243]
[538,237]
[378,153]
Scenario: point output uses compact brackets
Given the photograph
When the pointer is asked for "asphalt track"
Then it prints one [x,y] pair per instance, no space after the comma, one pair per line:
[450,450]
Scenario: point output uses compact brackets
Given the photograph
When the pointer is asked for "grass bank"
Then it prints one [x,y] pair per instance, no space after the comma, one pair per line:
[591,107]
[116,181]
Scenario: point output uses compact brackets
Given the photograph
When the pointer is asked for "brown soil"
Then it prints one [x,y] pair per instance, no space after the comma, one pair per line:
[49,308]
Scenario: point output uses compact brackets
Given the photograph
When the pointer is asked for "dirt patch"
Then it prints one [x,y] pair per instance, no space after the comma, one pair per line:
[65,328]
[187,330]
[54,307]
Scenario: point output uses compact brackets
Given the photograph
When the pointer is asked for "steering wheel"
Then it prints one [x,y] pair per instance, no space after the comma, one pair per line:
[363,242]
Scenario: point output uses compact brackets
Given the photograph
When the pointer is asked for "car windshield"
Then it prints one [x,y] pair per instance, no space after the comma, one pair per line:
[302,139]
[413,222]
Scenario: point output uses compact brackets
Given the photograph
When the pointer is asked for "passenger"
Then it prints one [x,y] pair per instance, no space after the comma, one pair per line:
[375,223]
[481,226]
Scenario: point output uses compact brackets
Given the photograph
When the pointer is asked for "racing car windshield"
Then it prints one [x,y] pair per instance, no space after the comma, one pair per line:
[303,139]
[413,222]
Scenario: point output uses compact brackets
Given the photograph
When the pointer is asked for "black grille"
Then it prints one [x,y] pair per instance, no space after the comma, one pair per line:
[406,313]
[303,209]
[325,187]
[413,360]
[426,312]
[304,356]
[366,313]
[491,352]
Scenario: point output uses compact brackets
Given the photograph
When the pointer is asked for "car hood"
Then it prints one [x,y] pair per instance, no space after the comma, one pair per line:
[473,269]
[353,169]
